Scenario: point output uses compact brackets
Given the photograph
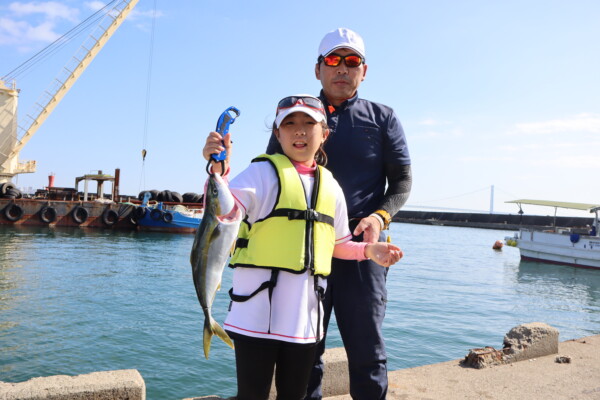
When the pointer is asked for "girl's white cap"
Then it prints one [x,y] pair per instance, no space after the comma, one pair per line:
[300,103]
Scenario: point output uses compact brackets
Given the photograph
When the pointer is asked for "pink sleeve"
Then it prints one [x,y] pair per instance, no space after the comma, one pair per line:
[350,251]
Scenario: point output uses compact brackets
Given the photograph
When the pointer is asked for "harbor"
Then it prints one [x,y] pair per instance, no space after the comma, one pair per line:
[97,297]
[76,301]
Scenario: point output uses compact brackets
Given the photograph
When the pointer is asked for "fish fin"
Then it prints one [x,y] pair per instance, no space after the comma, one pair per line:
[212,327]
[208,334]
[220,332]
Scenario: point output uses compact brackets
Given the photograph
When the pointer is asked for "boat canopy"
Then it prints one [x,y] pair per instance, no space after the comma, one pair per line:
[559,204]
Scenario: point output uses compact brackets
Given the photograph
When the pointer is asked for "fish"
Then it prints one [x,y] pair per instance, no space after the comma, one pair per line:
[214,239]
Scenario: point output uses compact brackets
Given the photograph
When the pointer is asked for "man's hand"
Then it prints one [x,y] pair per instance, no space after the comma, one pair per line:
[370,227]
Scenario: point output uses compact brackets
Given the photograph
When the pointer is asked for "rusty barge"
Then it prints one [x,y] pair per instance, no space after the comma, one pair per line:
[61,206]
[52,206]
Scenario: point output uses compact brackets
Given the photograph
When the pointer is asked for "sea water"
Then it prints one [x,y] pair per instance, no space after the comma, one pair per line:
[76,301]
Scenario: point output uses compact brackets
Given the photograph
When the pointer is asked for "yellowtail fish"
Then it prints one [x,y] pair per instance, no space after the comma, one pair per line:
[212,245]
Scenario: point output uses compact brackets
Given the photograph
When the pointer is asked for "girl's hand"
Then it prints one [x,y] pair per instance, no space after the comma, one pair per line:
[384,254]
[215,143]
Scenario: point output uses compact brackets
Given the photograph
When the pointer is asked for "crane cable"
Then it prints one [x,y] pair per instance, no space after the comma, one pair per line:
[147,110]
[57,44]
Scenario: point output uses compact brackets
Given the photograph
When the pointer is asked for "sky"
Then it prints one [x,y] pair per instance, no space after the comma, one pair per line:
[497,97]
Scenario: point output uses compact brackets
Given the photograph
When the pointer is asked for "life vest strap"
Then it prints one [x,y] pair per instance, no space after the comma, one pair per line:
[241,243]
[270,284]
[320,292]
[306,215]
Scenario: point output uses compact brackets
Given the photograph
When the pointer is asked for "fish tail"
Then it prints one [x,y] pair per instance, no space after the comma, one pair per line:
[212,327]
[208,334]
[220,332]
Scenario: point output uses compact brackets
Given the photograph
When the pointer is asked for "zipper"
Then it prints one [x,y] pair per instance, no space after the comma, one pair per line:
[309,258]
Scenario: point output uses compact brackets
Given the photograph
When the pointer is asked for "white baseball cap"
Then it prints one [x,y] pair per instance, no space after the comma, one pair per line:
[342,38]
[300,103]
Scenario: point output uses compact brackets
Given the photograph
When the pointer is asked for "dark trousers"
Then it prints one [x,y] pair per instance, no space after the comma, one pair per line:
[256,359]
[356,291]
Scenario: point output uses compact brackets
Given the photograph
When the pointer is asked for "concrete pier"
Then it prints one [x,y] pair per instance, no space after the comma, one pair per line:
[125,384]
[537,378]
[570,370]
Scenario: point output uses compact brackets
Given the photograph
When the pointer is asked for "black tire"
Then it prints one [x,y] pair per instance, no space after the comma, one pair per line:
[13,212]
[110,217]
[167,217]
[189,197]
[131,218]
[165,196]
[79,214]
[13,193]
[156,214]
[4,187]
[176,197]
[139,213]
[48,214]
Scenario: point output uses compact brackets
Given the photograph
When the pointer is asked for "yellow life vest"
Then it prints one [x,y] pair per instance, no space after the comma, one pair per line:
[293,237]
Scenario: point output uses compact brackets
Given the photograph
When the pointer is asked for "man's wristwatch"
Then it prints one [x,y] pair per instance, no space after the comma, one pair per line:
[385,216]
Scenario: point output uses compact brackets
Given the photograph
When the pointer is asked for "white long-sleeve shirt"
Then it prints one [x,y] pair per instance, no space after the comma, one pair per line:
[291,315]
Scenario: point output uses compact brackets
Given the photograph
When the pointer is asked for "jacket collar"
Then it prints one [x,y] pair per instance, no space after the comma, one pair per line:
[343,106]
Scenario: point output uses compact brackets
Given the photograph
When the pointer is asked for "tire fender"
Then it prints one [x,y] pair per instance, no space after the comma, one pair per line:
[79,214]
[110,217]
[13,212]
[48,214]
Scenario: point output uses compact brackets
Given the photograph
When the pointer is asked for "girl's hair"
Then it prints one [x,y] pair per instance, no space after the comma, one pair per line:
[320,155]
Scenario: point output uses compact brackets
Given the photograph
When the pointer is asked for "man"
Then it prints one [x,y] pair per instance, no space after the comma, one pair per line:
[366,149]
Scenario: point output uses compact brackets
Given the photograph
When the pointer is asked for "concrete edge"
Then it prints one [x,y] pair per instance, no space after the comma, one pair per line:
[125,384]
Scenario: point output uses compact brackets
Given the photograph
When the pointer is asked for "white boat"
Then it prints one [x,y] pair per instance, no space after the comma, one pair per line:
[575,246]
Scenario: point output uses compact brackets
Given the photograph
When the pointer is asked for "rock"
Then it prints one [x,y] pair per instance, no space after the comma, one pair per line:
[563,359]
[528,341]
[523,342]
[485,357]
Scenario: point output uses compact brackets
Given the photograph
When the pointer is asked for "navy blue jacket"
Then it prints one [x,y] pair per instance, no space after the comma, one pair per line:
[364,137]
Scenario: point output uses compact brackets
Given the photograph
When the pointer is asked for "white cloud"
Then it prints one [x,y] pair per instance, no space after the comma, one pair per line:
[50,9]
[432,122]
[569,161]
[34,22]
[583,146]
[26,24]
[582,123]
[95,5]
[135,14]
[42,33]
[486,159]
[11,31]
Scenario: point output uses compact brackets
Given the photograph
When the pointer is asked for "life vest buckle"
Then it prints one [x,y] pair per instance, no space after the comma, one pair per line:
[307,215]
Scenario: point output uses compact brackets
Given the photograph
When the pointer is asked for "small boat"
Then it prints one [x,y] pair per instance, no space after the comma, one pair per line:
[575,246]
[164,217]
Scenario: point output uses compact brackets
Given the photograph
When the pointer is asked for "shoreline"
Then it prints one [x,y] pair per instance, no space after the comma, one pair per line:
[536,378]
[510,222]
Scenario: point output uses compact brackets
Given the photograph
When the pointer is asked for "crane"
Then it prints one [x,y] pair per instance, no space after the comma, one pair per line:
[11,143]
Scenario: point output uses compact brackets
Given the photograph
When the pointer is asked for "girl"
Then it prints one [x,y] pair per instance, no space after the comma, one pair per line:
[294,221]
